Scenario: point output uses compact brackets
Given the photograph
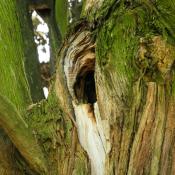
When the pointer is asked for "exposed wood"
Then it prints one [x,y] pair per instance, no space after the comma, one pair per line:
[111,106]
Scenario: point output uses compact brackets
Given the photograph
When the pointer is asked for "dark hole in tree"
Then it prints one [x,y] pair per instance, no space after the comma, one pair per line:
[85,88]
[44,13]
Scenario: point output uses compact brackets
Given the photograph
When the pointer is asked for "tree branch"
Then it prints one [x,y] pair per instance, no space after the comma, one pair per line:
[21,135]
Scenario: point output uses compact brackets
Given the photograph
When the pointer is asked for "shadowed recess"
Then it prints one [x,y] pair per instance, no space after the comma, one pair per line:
[85,88]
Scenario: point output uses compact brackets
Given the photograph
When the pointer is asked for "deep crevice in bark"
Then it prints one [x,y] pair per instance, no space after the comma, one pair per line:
[79,70]
[85,88]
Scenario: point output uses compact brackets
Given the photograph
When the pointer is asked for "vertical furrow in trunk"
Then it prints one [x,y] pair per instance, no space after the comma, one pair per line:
[141,146]
[158,130]
[167,157]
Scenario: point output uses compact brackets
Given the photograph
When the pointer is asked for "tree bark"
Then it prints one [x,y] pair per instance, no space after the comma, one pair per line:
[111,106]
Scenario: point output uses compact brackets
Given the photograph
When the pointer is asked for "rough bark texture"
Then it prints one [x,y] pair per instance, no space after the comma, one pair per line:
[48,123]
[134,60]
[111,106]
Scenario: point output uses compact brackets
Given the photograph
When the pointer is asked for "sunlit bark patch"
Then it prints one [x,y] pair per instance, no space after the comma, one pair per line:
[91,4]
[79,69]
[155,57]
[79,62]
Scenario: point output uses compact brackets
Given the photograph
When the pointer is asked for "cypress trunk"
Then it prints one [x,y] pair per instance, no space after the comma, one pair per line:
[111,106]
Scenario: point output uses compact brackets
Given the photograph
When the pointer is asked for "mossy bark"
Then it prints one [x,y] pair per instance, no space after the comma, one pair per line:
[134,79]
[31,61]
[138,85]
[38,138]
[61,14]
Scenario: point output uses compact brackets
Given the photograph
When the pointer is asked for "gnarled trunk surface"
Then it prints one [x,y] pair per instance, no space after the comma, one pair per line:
[111,107]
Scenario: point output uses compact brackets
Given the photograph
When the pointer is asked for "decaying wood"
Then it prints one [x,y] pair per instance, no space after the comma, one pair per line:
[115,83]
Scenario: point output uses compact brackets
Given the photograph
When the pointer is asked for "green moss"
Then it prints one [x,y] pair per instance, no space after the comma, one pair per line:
[165,19]
[173,84]
[161,17]
[13,79]
[42,115]
[31,61]
[118,39]
[21,135]
[61,14]
[81,167]
[96,12]
[117,46]
[49,124]
[54,131]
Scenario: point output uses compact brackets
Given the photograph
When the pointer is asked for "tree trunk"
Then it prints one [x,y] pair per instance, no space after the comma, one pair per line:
[111,106]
